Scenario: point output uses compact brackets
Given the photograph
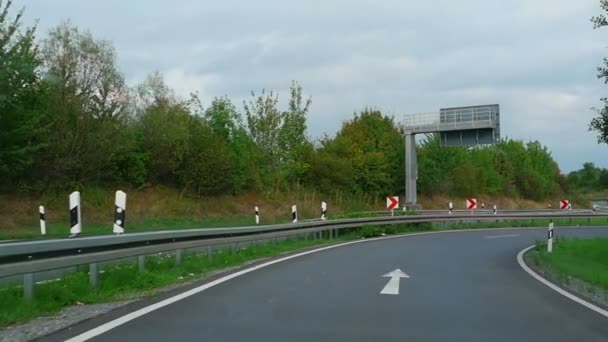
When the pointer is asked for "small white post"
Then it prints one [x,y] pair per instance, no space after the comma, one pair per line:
[495,209]
[257,215]
[120,212]
[42,220]
[450,207]
[392,212]
[323,211]
[294,214]
[550,238]
[569,206]
[75,215]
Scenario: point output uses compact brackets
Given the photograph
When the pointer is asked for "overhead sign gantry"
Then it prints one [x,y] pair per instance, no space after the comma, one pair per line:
[457,126]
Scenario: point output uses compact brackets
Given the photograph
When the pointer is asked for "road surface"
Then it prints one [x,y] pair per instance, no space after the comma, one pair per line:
[464,286]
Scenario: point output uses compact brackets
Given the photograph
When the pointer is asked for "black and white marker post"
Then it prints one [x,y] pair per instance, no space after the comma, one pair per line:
[550,238]
[495,209]
[323,211]
[294,214]
[257,215]
[450,207]
[75,217]
[120,212]
[42,220]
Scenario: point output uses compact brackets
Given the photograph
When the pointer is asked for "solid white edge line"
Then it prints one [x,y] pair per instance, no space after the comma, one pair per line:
[522,264]
[143,311]
[502,236]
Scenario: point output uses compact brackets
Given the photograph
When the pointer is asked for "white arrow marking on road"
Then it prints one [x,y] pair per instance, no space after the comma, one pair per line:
[392,287]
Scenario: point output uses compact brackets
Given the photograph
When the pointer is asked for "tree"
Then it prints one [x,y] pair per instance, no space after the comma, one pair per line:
[87,102]
[86,68]
[599,124]
[371,146]
[281,135]
[22,120]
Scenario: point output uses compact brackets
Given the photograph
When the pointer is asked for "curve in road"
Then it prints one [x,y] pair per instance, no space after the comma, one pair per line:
[463,286]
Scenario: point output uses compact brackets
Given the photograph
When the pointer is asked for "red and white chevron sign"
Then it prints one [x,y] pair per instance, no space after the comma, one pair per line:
[471,203]
[392,202]
[564,204]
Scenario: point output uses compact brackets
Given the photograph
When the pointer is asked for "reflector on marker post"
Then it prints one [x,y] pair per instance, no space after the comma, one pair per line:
[42,220]
[75,217]
[323,211]
[294,214]
[257,215]
[120,215]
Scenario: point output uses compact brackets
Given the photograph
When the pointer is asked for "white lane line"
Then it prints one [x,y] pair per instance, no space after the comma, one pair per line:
[501,236]
[143,311]
[520,260]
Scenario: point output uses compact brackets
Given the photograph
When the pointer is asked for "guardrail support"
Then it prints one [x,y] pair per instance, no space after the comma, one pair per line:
[331,234]
[178,257]
[141,262]
[28,286]
[93,274]
[550,238]
[42,220]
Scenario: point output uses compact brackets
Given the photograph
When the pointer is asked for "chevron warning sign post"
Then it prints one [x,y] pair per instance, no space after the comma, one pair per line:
[392,202]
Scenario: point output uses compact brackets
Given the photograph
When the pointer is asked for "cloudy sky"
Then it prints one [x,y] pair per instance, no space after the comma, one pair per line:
[536,58]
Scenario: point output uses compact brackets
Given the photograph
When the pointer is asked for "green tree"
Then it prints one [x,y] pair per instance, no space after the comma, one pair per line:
[22,119]
[281,135]
[599,124]
[372,147]
[87,110]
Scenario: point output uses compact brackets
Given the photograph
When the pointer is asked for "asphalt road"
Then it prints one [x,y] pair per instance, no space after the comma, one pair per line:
[464,286]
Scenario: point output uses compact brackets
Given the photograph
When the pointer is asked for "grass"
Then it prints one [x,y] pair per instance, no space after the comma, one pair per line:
[123,281]
[524,223]
[585,259]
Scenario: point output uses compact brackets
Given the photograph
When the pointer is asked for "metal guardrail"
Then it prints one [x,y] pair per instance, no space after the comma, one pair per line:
[173,241]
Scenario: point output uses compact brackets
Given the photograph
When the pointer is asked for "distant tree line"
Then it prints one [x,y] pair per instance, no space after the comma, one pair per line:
[68,119]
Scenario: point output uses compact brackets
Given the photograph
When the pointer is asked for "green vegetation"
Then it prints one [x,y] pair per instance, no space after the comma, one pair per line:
[585,259]
[599,124]
[124,281]
[71,122]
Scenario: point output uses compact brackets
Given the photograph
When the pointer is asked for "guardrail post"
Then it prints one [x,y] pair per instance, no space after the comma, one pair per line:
[93,274]
[120,208]
[141,262]
[331,234]
[42,220]
[178,257]
[75,214]
[323,211]
[28,286]
[550,238]
[294,214]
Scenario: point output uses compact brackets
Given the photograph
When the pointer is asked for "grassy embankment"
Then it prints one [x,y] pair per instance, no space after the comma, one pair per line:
[164,208]
[584,259]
